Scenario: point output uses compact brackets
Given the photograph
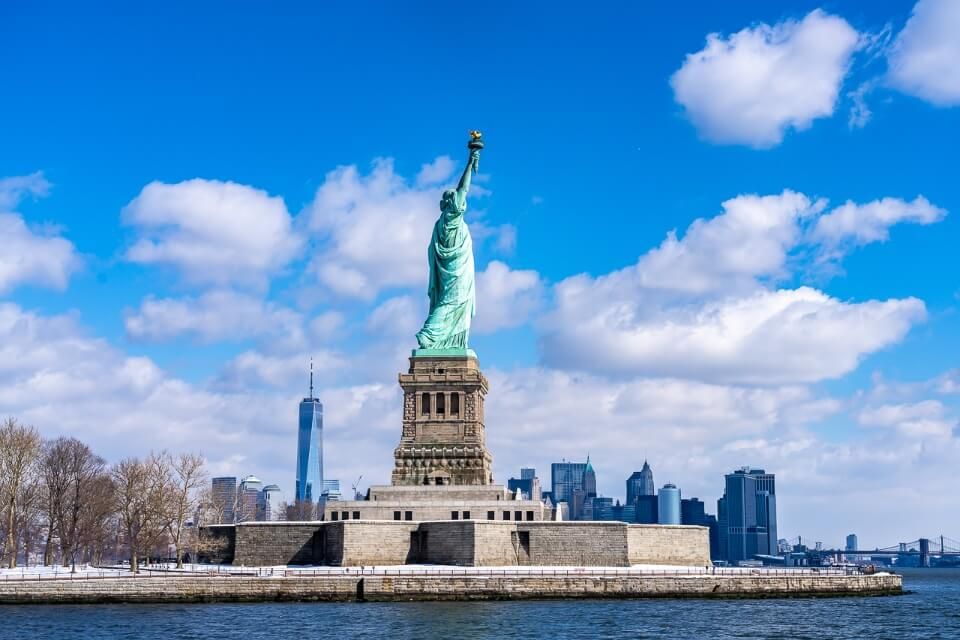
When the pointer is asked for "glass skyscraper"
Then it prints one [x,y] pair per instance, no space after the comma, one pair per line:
[565,478]
[668,504]
[748,515]
[309,483]
[225,498]
[640,483]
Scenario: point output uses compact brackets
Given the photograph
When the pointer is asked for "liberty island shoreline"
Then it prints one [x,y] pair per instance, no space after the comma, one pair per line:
[429,583]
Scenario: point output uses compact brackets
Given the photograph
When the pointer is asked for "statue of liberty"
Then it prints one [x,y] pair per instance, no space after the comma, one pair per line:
[450,255]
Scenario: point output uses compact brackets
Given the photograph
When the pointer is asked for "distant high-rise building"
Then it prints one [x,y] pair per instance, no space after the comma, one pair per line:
[668,504]
[692,512]
[647,509]
[851,545]
[573,483]
[589,480]
[249,506]
[528,483]
[224,490]
[309,448]
[565,478]
[331,490]
[750,512]
[640,483]
[722,537]
[273,504]
[851,542]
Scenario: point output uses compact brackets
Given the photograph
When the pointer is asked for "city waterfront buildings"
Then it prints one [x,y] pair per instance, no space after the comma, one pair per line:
[528,483]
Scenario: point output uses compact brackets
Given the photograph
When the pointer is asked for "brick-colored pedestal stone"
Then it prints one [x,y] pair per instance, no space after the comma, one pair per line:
[443,440]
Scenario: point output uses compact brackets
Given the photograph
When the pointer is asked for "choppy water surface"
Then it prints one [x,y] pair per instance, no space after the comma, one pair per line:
[931,611]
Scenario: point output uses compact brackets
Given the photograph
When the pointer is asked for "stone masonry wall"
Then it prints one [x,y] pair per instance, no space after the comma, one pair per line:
[261,544]
[598,544]
[668,544]
[374,543]
[496,544]
[483,543]
[450,542]
[425,587]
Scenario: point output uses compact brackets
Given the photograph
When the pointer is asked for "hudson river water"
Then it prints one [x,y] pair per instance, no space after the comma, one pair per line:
[931,611]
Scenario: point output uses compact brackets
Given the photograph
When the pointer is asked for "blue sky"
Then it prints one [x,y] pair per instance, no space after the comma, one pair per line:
[788,332]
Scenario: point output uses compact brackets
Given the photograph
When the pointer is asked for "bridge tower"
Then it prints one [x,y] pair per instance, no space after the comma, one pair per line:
[924,552]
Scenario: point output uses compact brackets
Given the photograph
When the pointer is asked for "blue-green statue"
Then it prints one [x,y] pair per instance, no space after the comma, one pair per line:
[450,255]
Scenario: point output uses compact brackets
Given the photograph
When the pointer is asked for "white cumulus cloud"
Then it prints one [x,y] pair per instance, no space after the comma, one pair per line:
[927,418]
[770,337]
[375,229]
[860,224]
[214,316]
[506,297]
[751,87]
[27,256]
[704,305]
[923,59]
[212,232]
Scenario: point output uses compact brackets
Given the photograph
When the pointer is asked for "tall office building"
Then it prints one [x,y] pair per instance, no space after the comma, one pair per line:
[573,483]
[851,542]
[565,478]
[646,510]
[224,490]
[589,480]
[668,504]
[851,545]
[249,506]
[640,483]
[310,448]
[271,499]
[331,490]
[750,511]
[528,483]
[692,512]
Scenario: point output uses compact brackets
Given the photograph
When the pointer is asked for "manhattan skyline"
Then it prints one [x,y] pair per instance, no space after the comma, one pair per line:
[193,209]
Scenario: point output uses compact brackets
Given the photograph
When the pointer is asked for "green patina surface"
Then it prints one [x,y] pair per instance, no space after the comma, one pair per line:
[450,256]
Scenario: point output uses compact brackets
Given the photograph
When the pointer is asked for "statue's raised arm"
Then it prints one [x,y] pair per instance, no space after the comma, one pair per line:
[450,256]
[473,165]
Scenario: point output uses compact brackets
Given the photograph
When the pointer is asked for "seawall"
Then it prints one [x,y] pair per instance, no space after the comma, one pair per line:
[409,587]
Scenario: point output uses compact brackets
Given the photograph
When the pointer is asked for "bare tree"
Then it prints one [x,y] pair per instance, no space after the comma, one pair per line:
[130,479]
[53,476]
[20,447]
[83,467]
[31,512]
[303,511]
[97,518]
[189,478]
[141,500]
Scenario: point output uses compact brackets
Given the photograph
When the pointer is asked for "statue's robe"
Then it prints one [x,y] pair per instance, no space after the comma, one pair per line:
[451,287]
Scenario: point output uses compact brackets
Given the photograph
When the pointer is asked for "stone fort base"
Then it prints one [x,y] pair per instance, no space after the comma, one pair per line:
[477,543]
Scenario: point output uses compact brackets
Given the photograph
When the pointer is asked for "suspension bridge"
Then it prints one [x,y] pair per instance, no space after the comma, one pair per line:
[939,546]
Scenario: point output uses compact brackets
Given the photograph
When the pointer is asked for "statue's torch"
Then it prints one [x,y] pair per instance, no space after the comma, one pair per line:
[475,144]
